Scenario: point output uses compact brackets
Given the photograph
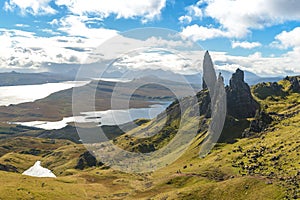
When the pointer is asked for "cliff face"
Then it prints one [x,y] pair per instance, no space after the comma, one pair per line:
[240,102]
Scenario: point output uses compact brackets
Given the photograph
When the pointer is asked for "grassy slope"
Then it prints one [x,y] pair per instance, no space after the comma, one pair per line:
[212,177]
[263,167]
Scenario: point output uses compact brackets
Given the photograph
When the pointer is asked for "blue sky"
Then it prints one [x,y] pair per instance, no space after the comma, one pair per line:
[261,36]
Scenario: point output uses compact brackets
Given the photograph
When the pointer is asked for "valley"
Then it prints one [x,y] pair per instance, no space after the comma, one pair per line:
[256,157]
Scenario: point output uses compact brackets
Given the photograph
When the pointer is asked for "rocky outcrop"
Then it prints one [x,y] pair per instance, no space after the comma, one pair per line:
[87,160]
[8,168]
[295,83]
[240,102]
[260,123]
[265,90]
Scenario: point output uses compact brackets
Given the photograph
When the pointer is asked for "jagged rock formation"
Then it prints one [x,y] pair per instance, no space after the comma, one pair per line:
[87,160]
[265,90]
[240,103]
[261,122]
[295,83]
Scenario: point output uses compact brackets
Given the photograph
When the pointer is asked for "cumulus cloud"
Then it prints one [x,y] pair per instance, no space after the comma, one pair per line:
[155,59]
[237,18]
[146,9]
[50,31]
[287,39]
[168,52]
[287,64]
[245,44]
[77,26]
[197,32]
[185,19]
[34,7]
[193,12]
[83,45]
[22,49]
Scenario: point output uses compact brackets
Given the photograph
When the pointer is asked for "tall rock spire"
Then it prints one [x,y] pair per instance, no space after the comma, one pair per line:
[240,102]
[217,93]
[209,73]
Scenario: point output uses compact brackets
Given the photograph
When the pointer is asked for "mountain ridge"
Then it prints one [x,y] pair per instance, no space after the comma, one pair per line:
[15,78]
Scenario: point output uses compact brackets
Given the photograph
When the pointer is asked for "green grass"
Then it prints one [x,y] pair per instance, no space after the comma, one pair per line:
[262,167]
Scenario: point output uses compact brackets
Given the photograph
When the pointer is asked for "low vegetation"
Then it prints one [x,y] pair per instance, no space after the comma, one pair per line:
[257,165]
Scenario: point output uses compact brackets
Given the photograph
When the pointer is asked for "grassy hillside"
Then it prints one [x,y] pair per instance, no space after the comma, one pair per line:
[265,165]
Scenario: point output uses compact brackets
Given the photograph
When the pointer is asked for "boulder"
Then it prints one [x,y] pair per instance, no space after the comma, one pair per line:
[86,160]
[260,123]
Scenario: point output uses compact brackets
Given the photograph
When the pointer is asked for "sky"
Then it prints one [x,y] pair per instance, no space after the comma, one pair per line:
[261,36]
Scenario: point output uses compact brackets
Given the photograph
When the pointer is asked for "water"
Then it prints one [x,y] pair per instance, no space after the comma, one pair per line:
[29,93]
[117,80]
[109,117]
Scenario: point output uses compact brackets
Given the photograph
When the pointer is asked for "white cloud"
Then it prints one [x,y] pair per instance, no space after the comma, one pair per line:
[197,32]
[245,44]
[288,39]
[169,52]
[256,63]
[76,26]
[50,31]
[146,9]
[34,7]
[82,45]
[155,59]
[193,13]
[238,17]
[54,22]
[8,7]
[185,19]
[21,49]
[285,40]
[22,25]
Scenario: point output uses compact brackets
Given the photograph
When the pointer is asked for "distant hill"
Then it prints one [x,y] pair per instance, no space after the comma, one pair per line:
[14,78]
[195,79]
[59,104]
[250,78]
[96,70]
